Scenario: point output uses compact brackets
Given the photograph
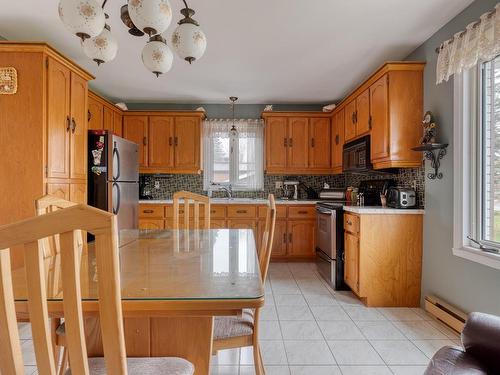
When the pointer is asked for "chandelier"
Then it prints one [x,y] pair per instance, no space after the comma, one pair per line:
[87,20]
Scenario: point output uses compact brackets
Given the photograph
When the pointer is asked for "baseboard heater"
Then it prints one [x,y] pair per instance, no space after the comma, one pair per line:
[446,313]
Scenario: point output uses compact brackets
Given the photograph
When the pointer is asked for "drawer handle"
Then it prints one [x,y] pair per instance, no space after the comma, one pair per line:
[303,212]
[148,211]
[241,211]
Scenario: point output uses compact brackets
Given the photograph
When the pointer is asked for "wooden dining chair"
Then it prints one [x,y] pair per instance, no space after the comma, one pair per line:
[189,198]
[50,248]
[235,332]
[65,222]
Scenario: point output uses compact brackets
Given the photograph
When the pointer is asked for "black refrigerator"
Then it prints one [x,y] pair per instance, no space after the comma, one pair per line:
[114,176]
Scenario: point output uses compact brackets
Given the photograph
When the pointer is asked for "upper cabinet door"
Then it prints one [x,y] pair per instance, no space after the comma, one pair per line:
[350,120]
[135,129]
[107,119]
[379,108]
[79,123]
[298,142]
[363,113]
[161,144]
[187,141]
[338,140]
[117,124]
[58,120]
[95,114]
[276,143]
[320,142]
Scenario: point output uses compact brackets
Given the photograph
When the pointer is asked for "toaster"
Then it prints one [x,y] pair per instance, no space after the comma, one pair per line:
[399,197]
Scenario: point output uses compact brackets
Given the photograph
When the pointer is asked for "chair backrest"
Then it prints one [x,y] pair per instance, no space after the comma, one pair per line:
[64,222]
[196,199]
[44,205]
[267,238]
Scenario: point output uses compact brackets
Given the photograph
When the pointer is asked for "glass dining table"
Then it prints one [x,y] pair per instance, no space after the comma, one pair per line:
[173,284]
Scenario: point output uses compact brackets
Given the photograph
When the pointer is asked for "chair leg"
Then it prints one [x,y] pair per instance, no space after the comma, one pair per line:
[257,360]
[64,363]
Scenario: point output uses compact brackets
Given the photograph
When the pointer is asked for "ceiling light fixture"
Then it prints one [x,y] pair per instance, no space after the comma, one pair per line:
[233,131]
[86,19]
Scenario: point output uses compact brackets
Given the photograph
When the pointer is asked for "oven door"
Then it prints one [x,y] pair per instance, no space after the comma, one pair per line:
[325,231]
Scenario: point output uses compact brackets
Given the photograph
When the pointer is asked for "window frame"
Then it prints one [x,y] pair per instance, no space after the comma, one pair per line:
[234,171]
[468,157]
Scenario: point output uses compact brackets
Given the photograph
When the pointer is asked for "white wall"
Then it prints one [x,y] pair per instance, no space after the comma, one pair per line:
[468,285]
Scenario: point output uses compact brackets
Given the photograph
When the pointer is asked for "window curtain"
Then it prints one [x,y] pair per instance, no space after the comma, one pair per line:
[252,154]
[479,41]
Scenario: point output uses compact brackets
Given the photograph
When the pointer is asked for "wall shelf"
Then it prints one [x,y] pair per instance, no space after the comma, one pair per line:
[433,152]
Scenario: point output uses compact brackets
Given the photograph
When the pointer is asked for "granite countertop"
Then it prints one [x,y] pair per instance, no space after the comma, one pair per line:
[234,201]
[377,210]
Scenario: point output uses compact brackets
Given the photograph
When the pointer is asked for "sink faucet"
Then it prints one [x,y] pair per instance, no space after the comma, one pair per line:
[228,189]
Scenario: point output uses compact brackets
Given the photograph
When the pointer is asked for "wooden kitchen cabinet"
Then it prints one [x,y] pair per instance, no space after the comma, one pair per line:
[276,134]
[337,141]
[103,114]
[169,142]
[320,143]
[350,121]
[151,224]
[107,119]
[161,142]
[294,234]
[135,129]
[117,124]
[78,193]
[351,260]
[301,238]
[297,143]
[95,113]
[38,128]
[384,270]
[388,106]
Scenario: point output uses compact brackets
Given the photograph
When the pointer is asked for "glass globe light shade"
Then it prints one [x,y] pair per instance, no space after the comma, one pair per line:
[189,42]
[151,16]
[84,18]
[156,56]
[101,48]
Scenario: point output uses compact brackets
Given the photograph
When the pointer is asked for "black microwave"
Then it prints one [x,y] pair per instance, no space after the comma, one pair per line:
[356,156]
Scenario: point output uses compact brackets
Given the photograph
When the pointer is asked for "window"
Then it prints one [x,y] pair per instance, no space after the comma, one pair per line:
[233,159]
[477,163]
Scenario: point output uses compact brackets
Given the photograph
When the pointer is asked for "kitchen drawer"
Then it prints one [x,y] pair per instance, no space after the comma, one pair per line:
[151,210]
[216,212]
[241,211]
[351,223]
[151,224]
[301,212]
[280,212]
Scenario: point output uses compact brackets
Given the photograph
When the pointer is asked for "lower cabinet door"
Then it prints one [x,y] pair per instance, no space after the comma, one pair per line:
[280,239]
[351,262]
[218,224]
[78,193]
[301,238]
[151,224]
[58,190]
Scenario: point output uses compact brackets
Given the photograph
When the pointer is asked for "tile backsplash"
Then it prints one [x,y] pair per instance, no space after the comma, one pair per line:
[169,184]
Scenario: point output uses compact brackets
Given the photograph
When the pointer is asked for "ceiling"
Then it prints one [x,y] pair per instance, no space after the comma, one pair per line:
[279,51]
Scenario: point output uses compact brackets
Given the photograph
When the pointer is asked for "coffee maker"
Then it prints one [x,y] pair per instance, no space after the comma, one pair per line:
[291,190]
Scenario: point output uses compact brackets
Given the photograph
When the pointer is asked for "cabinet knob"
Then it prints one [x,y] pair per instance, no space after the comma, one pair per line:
[337,139]
[312,142]
[176,141]
[68,123]
[290,142]
[290,237]
[73,122]
[285,142]
[241,211]
[89,115]
[170,141]
[144,141]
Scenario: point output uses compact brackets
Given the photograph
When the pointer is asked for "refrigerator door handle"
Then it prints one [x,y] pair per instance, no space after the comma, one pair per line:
[117,208]
[116,154]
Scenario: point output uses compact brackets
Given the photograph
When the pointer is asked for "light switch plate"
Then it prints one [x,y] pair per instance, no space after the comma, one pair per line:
[157,184]
[278,185]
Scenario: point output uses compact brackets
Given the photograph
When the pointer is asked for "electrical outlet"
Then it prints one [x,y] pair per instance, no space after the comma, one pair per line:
[157,184]
[278,185]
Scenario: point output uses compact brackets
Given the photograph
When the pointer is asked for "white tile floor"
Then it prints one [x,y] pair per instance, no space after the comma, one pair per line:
[309,329]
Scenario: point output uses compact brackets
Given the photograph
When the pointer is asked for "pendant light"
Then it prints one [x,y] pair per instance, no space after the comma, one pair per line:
[233,132]
[151,16]
[125,17]
[84,18]
[188,40]
[101,48]
[156,55]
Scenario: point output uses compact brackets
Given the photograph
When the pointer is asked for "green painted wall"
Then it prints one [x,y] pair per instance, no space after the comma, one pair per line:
[468,285]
